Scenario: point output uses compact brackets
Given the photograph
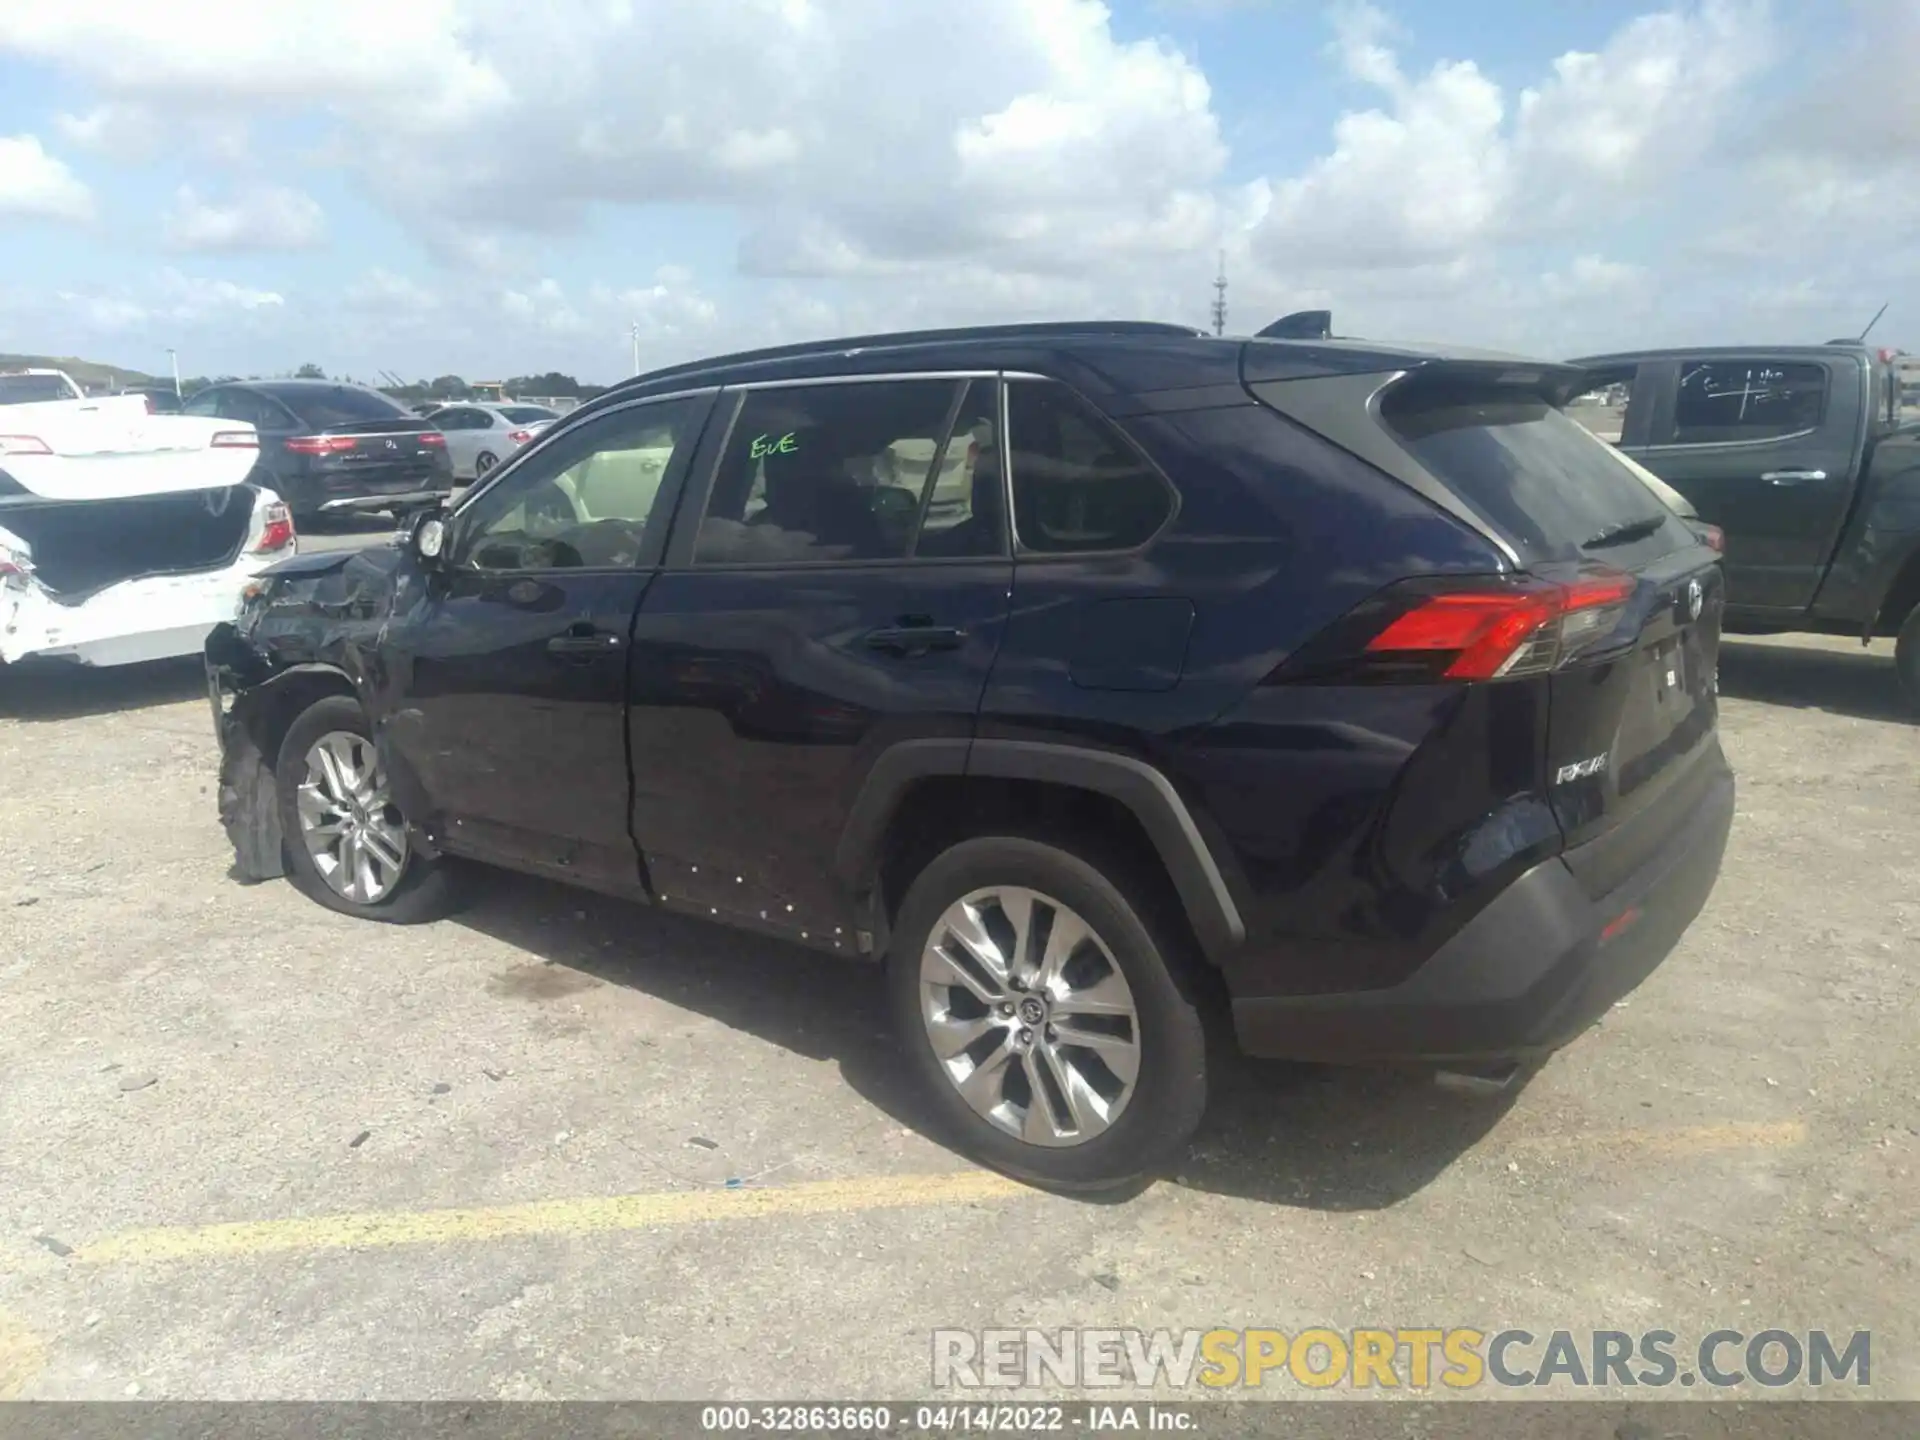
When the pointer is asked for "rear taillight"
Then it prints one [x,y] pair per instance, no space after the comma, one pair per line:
[235,440]
[520,437]
[276,529]
[433,437]
[1712,536]
[1490,629]
[23,445]
[320,444]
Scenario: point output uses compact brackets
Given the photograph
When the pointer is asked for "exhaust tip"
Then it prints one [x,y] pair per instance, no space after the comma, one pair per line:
[1478,1079]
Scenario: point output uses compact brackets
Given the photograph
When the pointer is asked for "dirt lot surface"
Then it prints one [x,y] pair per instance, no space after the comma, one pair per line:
[564,1147]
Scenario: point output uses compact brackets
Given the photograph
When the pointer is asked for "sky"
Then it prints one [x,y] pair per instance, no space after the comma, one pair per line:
[491,189]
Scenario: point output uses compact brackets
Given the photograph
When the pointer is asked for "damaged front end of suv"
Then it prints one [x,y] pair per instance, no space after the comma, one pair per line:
[309,627]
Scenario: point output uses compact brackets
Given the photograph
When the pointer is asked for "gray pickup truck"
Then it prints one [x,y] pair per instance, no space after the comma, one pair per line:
[1798,455]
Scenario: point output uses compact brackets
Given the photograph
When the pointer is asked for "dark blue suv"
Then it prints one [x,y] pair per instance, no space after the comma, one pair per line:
[1082,675]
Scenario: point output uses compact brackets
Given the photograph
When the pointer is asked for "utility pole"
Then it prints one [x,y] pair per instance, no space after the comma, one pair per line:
[174,356]
[635,332]
[1220,298]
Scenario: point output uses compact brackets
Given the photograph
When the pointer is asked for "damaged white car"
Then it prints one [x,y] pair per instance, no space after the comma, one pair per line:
[124,535]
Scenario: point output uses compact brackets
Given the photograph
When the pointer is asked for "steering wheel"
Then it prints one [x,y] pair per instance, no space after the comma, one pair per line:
[549,513]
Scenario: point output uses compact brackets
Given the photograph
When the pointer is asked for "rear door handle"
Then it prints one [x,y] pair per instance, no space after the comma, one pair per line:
[1793,477]
[915,639]
[582,642]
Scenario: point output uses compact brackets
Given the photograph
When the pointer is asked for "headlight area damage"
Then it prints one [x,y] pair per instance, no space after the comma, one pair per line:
[308,628]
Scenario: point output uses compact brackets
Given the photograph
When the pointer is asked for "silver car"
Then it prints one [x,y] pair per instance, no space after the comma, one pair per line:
[479,437]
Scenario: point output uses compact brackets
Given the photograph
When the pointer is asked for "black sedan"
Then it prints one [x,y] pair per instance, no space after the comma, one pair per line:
[327,446]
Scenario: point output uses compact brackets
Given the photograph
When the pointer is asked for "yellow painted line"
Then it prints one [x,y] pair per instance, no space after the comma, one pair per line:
[22,1357]
[1687,1140]
[585,1216]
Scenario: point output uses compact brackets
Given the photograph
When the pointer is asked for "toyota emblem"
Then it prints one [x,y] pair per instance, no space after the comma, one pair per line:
[1696,599]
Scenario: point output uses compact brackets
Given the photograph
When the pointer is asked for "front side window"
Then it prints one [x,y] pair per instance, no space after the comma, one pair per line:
[1078,485]
[1723,400]
[833,472]
[586,501]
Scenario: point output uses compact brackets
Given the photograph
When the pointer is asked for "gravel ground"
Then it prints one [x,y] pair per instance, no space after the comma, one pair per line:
[608,1153]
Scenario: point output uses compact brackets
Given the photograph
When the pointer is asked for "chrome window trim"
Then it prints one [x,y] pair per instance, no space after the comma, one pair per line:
[545,437]
[876,377]
[1732,444]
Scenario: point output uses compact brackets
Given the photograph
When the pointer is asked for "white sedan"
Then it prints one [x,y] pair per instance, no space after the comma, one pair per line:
[479,437]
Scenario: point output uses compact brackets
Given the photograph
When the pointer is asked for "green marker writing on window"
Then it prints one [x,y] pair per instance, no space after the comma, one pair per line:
[764,445]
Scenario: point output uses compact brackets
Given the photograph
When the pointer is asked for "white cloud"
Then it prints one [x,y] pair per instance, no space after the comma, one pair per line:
[36,186]
[269,218]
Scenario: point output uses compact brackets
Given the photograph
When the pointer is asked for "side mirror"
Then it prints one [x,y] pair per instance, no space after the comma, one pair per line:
[430,540]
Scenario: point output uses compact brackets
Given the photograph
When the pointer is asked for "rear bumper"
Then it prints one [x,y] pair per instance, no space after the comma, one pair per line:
[1523,977]
[158,617]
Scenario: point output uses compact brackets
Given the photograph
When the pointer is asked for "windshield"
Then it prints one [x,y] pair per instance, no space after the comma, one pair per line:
[28,389]
[1539,478]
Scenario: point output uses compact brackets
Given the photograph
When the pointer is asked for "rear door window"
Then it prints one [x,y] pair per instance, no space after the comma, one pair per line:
[830,472]
[1540,479]
[1730,400]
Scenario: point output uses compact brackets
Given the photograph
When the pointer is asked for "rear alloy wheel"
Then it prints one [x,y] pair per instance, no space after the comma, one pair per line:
[483,464]
[346,841]
[1030,1018]
[1048,1017]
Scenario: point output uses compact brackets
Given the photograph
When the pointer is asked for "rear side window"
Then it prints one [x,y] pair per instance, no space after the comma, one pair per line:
[29,389]
[1723,400]
[1540,479]
[830,472]
[1078,485]
[327,409]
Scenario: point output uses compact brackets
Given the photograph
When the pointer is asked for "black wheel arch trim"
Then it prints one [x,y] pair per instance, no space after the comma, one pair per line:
[1145,791]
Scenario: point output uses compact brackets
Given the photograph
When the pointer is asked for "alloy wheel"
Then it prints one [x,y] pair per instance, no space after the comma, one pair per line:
[352,829]
[1030,1017]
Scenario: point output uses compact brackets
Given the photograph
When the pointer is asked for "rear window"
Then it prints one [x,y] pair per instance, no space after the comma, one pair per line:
[31,389]
[526,414]
[324,409]
[1540,479]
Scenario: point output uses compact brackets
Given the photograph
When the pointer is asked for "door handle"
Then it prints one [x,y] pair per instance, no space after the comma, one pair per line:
[915,639]
[1793,477]
[583,642]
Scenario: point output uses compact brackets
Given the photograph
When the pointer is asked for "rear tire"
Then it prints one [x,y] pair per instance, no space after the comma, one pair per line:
[483,464]
[1906,660]
[315,803]
[1097,1115]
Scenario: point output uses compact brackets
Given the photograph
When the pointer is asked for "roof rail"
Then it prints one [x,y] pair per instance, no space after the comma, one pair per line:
[1039,329]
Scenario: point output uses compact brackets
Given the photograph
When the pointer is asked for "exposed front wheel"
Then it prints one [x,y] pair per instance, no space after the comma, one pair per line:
[1050,1025]
[346,840]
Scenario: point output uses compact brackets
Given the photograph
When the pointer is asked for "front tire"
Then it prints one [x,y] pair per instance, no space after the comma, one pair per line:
[1049,1020]
[1906,660]
[346,842]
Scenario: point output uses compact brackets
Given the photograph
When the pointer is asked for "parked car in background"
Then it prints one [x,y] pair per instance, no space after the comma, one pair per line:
[161,399]
[327,446]
[1802,457]
[124,535]
[1355,687]
[479,437]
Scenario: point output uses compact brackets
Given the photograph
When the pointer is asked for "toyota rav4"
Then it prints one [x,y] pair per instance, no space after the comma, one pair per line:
[1079,676]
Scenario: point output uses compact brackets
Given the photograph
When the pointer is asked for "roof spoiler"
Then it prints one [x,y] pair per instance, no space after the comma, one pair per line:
[1301,325]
